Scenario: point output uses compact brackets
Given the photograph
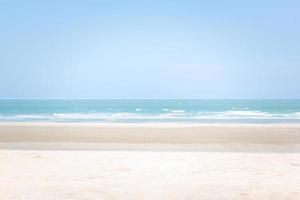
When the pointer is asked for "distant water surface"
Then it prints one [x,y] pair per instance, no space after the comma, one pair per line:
[148,111]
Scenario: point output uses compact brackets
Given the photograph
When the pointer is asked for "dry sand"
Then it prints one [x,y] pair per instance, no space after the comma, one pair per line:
[149,162]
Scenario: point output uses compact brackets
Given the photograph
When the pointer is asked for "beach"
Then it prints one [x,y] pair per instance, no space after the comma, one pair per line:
[149,161]
[147,136]
[149,100]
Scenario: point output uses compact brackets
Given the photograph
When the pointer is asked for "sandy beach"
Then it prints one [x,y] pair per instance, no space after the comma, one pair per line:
[149,100]
[68,136]
[91,161]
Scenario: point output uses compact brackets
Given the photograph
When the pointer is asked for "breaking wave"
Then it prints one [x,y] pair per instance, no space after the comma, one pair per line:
[166,115]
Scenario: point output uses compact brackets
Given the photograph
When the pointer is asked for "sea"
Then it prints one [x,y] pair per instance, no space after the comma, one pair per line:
[151,111]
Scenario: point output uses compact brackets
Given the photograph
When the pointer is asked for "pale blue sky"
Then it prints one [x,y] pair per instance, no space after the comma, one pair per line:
[149,49]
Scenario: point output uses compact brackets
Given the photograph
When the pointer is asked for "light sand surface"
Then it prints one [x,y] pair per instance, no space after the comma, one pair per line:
[136,162]
[138,175]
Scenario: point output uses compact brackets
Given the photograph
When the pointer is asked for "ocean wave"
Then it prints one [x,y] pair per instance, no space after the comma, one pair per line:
[30,116]
[166,115]
[177,111]
[21,117]
[246,114]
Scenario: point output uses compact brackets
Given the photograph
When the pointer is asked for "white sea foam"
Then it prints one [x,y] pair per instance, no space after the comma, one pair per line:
[166,115]
[177,111]
[31,116]
[78,116]
[246,114]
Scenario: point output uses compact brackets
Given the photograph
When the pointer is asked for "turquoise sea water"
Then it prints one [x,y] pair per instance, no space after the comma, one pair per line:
[144,111]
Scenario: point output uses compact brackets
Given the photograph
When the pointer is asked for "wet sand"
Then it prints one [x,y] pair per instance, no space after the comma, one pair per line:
[145,136]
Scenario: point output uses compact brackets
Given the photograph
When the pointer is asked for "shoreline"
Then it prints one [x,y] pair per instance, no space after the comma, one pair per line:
[149,124]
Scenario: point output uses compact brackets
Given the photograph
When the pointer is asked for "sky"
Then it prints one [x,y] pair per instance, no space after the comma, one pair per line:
[71,49]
